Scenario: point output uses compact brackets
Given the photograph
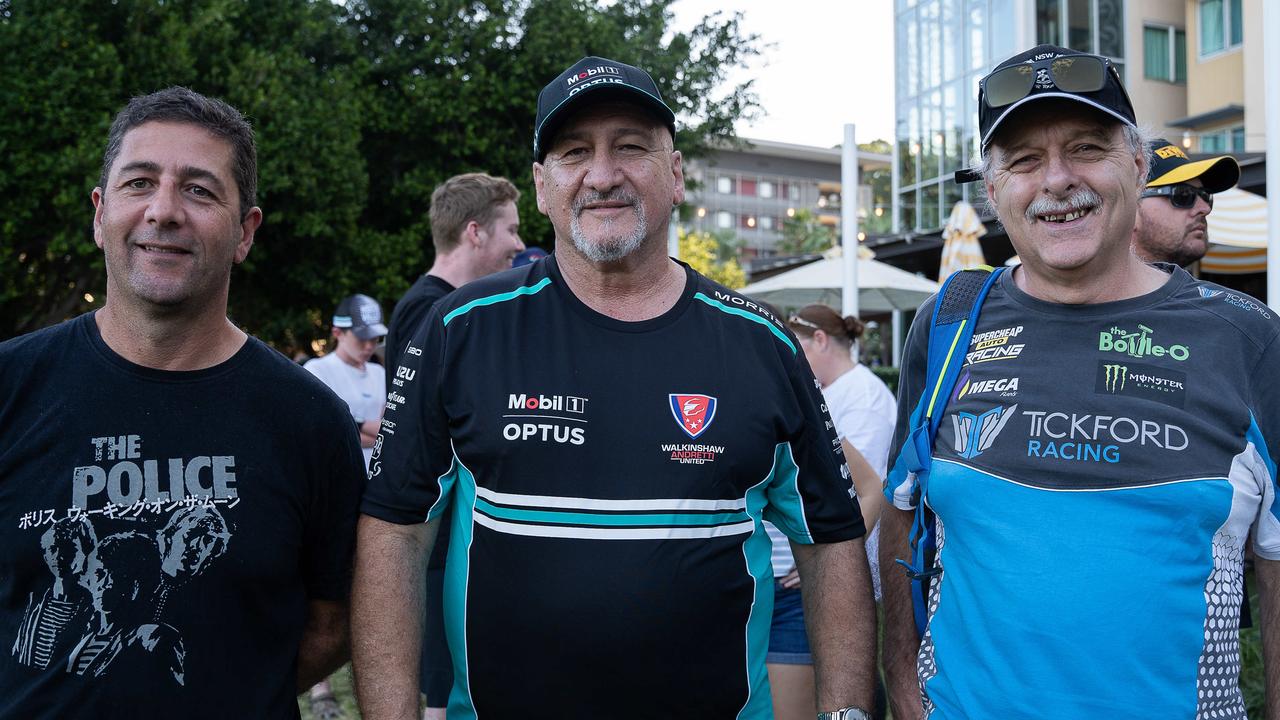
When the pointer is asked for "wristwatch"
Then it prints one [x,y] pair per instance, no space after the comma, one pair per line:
[849,713]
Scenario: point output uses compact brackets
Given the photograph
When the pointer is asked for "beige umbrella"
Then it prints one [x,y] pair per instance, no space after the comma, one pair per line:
[1237,233]
[881,287]
[960,249]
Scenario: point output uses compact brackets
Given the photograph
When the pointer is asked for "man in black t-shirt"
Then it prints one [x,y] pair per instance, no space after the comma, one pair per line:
[475,228]
[611,429]
[178,501]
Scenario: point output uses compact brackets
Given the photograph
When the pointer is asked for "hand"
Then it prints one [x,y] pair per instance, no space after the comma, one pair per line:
[791,580]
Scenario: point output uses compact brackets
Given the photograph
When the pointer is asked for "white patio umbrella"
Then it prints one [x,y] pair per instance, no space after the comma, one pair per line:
[960,248]
[881,288]
[1237,233]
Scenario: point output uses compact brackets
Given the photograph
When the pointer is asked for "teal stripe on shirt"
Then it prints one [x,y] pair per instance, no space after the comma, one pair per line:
[750,316]
[495,299]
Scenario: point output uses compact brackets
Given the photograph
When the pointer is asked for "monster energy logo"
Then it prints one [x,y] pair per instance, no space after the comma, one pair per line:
[1115,377]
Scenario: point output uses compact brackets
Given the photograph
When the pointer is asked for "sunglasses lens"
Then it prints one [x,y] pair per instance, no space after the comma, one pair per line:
[1079,73]
[1008,85]
[1184,196]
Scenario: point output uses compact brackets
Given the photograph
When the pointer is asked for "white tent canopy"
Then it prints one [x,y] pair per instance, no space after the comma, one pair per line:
[881,288]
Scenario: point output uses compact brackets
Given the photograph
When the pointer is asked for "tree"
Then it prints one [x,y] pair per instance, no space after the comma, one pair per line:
[361,109]
[706,255]
[802,233]
[880,180]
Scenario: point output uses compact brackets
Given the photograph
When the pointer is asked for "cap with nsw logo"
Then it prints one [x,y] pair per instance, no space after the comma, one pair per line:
[599,79]
[1108,95]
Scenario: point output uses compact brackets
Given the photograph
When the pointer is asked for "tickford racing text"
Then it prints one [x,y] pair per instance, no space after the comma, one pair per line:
[1096,438]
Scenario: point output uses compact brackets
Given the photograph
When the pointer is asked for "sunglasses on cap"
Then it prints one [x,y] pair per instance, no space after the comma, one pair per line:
[797,320]
[1069,73]
[1181,195]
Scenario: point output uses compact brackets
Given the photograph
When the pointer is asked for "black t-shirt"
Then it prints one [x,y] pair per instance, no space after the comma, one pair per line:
[610,481]
[161,533]
[410,313]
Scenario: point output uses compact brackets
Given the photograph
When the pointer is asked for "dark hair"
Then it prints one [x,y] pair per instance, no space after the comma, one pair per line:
[820,317]
[178,104]
[462,199]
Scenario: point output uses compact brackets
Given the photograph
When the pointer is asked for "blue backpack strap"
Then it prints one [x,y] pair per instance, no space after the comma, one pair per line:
[955,314]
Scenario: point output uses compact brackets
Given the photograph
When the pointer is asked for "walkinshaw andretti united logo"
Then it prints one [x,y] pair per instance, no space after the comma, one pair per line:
[693,413]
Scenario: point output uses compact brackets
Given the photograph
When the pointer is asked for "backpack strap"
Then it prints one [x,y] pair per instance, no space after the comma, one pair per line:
[955,314]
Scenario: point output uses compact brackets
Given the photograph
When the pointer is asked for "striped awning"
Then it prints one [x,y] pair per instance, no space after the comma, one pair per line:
[1237,233]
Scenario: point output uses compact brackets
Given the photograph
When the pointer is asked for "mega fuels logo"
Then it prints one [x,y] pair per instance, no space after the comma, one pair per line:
[1139,344]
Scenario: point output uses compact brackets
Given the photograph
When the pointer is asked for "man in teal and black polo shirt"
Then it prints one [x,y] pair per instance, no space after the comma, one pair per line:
[611,430]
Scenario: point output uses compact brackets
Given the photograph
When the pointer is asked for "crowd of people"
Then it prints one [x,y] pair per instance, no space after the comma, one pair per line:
[595,484]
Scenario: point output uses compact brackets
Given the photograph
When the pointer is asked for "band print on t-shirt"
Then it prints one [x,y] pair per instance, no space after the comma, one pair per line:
[137,529]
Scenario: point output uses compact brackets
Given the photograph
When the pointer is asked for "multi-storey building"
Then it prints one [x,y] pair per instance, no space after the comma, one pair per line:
[1188,65]
[752,189]
[1224,77]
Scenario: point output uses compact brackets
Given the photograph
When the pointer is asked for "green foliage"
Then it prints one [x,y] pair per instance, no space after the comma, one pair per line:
[361,109]
[889,375]
[802,233]
[706,254]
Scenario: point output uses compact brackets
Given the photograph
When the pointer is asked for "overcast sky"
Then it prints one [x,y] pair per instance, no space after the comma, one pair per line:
[831,63]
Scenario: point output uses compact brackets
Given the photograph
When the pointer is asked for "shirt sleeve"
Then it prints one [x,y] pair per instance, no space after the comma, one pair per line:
[866,427]
[406,319]
[412,466]
[334,502]
[1263,449]
[911,380]
[810,494]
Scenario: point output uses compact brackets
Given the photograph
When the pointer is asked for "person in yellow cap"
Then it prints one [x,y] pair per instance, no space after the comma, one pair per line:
[1172,222]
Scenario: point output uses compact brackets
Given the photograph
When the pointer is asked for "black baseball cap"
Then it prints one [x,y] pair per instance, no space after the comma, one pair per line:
[1047,72]
[361,315]
[599,79]
[1170,166]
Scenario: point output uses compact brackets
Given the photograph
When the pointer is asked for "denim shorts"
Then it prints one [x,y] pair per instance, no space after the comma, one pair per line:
[788,643]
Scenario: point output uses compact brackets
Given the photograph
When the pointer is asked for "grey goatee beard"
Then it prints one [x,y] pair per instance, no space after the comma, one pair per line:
[611,248]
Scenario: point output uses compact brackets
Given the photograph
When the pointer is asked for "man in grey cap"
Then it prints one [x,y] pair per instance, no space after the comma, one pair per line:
[1173,214]
[611,429]
[357,328]
[1106,452]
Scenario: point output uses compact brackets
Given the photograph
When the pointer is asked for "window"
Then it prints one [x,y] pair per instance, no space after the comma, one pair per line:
[1094,26]
[766,222]
[723,219]
[793,191]
[765,189]
[1223,141]
[1221,26]
[747,188]
[1164,53]
[724,185]
[747,222]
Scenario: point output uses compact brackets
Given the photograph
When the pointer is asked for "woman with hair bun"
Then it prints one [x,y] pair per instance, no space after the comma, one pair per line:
[864,412]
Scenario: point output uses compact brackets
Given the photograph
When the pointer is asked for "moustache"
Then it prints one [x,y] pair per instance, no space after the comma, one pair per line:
[1082,199]
[619,195]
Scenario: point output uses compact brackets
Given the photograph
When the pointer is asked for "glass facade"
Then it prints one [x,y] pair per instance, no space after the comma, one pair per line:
[943,48]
